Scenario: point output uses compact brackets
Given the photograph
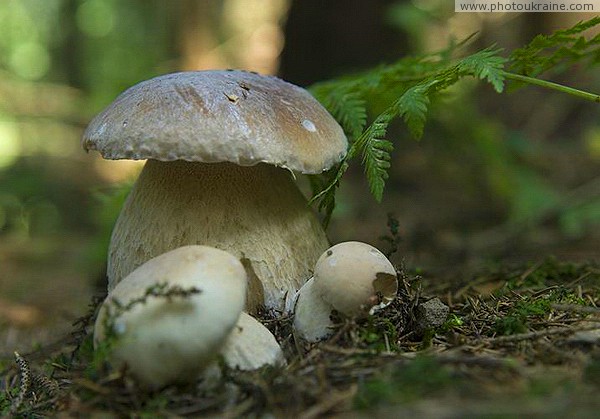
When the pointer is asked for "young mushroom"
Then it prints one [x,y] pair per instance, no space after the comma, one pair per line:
[251,346]
[169,318]
[221,146]
[352,278]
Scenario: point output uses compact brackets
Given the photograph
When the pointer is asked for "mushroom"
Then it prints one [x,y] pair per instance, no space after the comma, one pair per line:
[221,147]
[353,278]
[251,346]
[168,319]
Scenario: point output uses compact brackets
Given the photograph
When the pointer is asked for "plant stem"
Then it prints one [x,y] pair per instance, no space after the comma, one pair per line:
[555,86]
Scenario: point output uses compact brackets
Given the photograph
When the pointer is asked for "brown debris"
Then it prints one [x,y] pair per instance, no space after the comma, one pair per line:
[493,345]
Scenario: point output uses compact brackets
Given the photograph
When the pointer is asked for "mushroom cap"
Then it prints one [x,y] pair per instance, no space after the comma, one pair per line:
[219,116]
[162,340]
[251,346]
[355,278]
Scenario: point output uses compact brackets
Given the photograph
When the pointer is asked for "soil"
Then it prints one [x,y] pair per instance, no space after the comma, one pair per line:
[517,341]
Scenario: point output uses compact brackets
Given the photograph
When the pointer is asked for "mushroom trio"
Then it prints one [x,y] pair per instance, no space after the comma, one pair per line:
[173,317]
[215,226]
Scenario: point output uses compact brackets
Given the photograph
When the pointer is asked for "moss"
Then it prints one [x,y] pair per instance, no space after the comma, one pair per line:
[451,323]
[379,334]
[549,383]
[533,307]
[154,405]
[421,377]
[5,400]
[549,272]
[517,319]
[591,373]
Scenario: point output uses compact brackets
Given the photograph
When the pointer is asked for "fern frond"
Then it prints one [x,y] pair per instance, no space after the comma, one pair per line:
[375,152]
[579,27]
[546,52]
[412,107]
[376,159]
[486,65]
[324,187]
[347,107]
[405,89]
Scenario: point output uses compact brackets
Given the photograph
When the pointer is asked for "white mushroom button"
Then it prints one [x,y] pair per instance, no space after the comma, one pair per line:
[163,339]
[251,346]
[352,278]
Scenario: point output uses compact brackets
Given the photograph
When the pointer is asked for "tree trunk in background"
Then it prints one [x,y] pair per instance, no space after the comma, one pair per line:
[70,62]
[325,39]
[244,34]
[198,34]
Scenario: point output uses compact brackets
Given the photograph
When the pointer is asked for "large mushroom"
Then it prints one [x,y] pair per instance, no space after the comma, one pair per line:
[221,146]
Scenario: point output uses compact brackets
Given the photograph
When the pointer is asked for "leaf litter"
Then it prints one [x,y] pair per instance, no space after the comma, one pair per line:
[516,341]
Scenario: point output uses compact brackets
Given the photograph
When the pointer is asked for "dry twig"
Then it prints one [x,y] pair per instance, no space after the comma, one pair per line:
[24,387]
[538,334]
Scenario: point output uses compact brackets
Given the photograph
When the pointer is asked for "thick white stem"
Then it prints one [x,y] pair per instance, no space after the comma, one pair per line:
[256,213]
[312,314]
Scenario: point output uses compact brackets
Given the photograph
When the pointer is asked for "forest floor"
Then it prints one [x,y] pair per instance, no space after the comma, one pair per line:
[514,341]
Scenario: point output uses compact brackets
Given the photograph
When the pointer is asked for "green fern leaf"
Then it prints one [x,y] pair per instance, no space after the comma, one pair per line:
[324,187]
[377,163]
[405,89]
[412,107]
[486,65]
[580,27]
[351,112]
[375,151]
[346,105]
[545,52]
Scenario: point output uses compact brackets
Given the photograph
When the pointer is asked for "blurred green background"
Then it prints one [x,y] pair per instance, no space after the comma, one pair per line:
[496,178]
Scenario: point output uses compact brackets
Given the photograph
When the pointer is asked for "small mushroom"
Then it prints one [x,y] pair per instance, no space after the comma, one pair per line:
[352,278]
[168,319]
[221,147]
[251,346]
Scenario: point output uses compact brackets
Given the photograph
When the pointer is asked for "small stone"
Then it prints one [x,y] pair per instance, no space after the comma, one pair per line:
[586,336]
[431,314]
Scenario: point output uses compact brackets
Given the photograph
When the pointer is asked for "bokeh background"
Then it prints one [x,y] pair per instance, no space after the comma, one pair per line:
[496,179]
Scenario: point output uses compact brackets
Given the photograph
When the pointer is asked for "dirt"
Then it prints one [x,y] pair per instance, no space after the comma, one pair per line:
[518,341]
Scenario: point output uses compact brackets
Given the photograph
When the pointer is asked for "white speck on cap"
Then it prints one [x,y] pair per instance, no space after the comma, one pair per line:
[377,254]
[308,125]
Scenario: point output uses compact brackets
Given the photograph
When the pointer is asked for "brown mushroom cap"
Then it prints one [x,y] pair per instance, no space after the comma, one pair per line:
[219,116]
